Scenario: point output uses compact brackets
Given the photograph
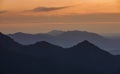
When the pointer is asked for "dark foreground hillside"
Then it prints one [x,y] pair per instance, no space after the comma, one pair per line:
[45,58]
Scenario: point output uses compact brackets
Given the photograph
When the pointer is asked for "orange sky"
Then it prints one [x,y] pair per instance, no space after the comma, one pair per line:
[79,5]
[31,12]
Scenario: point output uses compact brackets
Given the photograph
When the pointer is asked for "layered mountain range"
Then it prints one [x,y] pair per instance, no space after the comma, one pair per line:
[46,58]
[68,39]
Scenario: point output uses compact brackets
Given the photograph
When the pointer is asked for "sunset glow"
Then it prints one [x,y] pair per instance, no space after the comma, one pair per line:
[30,12]
[79,6]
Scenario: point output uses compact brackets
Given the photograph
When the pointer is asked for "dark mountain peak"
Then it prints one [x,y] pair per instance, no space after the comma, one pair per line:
[85,42]
[7,42]
[44,44]
[4,37]
[0,33]
[86,45]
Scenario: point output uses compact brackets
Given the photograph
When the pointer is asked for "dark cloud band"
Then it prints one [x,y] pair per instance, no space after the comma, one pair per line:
[47,9]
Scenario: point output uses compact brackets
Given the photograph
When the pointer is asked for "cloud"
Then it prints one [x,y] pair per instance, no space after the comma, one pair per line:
[1,12]
[47,9]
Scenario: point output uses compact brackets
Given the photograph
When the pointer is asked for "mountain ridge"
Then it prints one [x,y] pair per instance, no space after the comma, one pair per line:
[46,58]
[70,38]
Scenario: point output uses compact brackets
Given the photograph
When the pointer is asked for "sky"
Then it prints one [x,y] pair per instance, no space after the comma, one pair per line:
[35,16]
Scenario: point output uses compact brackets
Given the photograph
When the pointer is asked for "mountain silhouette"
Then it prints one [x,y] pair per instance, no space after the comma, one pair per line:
[68,39]
[8,43]
[6,40]
[45,45]
[46,58]
[92,58]
[87,46]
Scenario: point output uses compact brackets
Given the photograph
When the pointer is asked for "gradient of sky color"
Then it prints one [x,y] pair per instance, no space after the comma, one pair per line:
[33,16]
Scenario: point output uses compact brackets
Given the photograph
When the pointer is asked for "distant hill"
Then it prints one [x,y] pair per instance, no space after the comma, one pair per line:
[55,32]
[68,39]
[46,58]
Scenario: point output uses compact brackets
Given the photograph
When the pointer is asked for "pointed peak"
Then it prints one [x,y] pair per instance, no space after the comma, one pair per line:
[42,43]
[6,40]
[85,44]
[1,33]
[4,37]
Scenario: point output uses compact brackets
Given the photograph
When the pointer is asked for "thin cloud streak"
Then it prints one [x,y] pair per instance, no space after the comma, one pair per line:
[47,9]
[2,12]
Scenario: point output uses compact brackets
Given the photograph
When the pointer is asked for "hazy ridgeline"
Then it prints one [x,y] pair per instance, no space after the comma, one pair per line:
[70,38]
